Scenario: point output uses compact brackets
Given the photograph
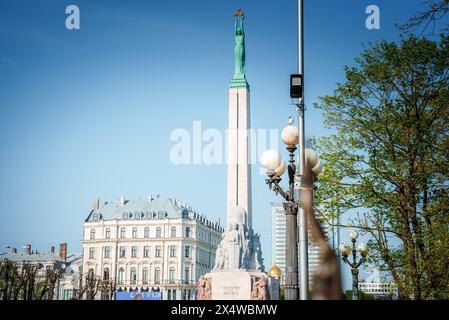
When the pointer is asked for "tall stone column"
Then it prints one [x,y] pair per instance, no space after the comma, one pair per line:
[239,170]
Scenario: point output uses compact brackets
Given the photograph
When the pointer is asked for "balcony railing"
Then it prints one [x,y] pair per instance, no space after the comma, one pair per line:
[150,283]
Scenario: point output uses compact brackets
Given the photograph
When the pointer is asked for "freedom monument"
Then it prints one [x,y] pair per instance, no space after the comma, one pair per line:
[239,272]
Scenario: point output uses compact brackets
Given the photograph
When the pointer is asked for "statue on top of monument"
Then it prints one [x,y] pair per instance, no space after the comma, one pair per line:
[239,50]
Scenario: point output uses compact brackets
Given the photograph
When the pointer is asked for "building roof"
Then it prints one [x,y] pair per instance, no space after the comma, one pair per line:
[44,258]
[32,257]
[147,209]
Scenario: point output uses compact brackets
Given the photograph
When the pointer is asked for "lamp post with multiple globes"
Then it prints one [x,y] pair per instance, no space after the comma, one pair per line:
[275,168]
[346,251]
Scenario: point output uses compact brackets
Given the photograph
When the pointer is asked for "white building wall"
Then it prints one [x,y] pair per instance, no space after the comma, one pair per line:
[202,239]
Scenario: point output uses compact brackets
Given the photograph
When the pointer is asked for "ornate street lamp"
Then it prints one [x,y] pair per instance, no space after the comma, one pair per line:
[275,168]
[346,251]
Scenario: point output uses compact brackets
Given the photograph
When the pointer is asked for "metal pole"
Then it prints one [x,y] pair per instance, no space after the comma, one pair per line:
[291,233]
[355,273]
[291,252]
[303,238]
[355,284]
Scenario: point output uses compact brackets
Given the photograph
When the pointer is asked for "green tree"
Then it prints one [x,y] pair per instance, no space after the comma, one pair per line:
[427,19]
[388,159]
[362,296]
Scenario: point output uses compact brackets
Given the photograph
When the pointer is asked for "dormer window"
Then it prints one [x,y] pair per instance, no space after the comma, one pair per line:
[95,217]
[125,216]
[137,216]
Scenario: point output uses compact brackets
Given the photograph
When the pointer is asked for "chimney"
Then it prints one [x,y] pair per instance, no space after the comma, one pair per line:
[52,249]
[28,249]
[122,200]
[96,204]
[13,250]
[63,251]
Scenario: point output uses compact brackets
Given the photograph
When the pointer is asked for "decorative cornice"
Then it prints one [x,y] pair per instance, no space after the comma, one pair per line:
[239,83]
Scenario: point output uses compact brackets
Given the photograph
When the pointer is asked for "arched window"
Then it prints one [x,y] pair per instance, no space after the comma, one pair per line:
[133,276]
[187,232]
[107,234]
[91,273]
[161,215]
[145,275]
[121,275]
[172,275]
[92,234]
[135,232]
[158,232]
[137,216]
[95,217]
[125,215]
[123,233]
[157,275]
[146,232]
[149,215]
[173,232]
[106,273]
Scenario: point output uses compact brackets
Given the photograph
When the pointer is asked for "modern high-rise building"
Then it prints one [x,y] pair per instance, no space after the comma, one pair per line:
[278,241]
[278,237]
[154,243]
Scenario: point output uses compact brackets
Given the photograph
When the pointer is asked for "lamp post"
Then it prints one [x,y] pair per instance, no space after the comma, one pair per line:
[298,82]
[275,168]
[346,251]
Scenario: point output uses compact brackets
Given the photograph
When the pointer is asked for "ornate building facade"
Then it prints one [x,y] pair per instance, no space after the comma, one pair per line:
[150,244]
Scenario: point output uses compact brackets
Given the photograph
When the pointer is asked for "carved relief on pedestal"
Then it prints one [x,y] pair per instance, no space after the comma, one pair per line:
[260,289]
[204,289]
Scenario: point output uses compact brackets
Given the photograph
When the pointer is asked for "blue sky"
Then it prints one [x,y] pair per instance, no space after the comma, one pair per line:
[88,113]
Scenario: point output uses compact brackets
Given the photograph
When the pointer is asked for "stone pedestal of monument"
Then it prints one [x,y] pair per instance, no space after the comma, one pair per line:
[241,285]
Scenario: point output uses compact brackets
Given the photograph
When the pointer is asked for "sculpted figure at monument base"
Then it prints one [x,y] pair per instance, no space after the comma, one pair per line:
[240,247]
[238,273]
